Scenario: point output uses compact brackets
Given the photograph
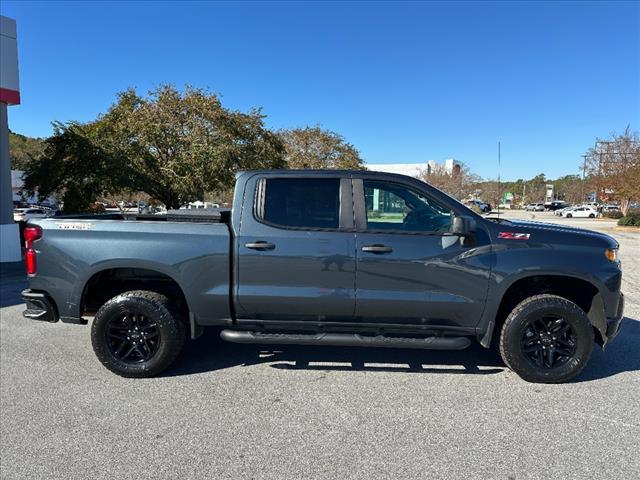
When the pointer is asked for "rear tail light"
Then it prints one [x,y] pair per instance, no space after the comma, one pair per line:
[30,261]
[31,234]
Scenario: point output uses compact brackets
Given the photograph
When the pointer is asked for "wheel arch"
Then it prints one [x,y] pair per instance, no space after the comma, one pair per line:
[105,283]
[578,290]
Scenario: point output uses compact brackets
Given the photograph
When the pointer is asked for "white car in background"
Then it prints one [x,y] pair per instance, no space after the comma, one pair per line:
[26,214]
[584,211]
[564,210]
[610,208]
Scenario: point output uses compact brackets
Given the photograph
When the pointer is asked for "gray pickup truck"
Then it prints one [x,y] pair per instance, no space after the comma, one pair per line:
[348,258]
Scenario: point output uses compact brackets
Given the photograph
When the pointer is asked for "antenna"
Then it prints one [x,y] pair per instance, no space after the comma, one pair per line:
[499,187]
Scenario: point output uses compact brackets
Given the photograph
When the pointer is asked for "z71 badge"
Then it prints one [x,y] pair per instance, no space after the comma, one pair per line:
[513,236]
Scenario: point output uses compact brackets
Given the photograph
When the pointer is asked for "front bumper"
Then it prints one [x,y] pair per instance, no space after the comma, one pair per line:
[39,306]
[613,324]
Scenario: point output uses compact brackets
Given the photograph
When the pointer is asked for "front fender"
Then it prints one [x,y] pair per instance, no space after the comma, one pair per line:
[513,263]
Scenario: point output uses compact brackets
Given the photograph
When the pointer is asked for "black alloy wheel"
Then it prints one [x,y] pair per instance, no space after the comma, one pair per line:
[546,339]
[549,341]
[132,337]
[138,333]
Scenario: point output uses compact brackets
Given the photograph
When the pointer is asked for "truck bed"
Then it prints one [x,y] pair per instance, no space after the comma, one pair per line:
[208,215]
[74,250]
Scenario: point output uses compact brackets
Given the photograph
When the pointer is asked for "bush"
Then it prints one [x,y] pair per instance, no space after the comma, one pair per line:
[615,214]
[627,222]
[632,219]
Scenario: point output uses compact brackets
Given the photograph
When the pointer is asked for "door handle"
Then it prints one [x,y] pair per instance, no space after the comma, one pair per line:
[377,248]
[260,245]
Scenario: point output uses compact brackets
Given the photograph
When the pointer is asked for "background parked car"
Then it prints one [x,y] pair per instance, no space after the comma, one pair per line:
[484,207]
[535,207]
[585,211]
[26,214]
[556,205]
[562,211]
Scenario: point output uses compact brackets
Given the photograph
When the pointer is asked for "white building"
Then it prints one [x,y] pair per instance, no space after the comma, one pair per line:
[450,166]
[17,184]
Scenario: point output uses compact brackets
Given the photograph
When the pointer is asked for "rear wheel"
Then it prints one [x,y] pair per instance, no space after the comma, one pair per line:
[137,334]
[568,215]
[546,339]
[591,215]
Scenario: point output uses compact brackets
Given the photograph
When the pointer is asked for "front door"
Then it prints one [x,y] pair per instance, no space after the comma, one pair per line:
[410,268]
[295,249]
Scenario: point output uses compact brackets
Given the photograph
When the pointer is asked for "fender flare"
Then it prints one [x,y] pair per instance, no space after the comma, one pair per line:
[77,293]
[595,314]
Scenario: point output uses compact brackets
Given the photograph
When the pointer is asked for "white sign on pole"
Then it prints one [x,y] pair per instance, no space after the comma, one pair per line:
[9,81]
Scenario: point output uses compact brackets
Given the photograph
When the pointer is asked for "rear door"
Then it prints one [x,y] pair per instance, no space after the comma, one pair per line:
[410,269]
[296,249]
[580,212]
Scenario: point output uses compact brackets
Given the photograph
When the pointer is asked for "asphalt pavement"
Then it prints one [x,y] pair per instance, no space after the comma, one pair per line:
[245,412]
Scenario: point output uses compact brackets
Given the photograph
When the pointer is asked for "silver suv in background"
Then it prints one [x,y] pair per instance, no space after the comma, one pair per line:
[535,207]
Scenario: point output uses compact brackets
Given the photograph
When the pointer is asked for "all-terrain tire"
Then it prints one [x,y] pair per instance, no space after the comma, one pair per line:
[518,325]
[160,317]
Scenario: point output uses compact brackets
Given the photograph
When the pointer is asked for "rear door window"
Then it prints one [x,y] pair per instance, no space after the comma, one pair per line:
[301,202]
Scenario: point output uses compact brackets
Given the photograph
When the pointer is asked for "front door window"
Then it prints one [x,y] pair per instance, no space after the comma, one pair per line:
[391,206]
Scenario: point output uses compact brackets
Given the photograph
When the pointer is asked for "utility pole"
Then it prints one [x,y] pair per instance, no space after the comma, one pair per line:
[608,159]
[499,187]
[584,168]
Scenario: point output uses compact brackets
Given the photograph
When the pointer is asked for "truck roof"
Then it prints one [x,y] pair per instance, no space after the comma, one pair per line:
[322,172]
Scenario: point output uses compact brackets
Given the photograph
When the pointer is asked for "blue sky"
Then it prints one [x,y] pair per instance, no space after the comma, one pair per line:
[403,82]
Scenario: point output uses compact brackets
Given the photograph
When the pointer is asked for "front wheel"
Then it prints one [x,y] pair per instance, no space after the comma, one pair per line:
[137,334]
[546,339]
[568,215]
[591,215]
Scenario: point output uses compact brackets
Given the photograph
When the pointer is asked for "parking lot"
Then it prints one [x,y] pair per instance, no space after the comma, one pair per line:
[234,411]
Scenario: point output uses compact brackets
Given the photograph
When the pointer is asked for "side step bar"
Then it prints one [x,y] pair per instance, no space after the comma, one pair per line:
[345,340]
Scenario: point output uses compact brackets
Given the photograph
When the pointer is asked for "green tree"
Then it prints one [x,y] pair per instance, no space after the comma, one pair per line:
[536,188]
[613,167]
[75,167]
[460,184]
[570,188]
[313,147]
[172,145]
[23,149]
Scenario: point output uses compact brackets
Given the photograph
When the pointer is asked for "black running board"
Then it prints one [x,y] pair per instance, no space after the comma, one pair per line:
[345,340]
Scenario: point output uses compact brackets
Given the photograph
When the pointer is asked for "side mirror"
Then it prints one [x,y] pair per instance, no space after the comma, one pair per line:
[463,225]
